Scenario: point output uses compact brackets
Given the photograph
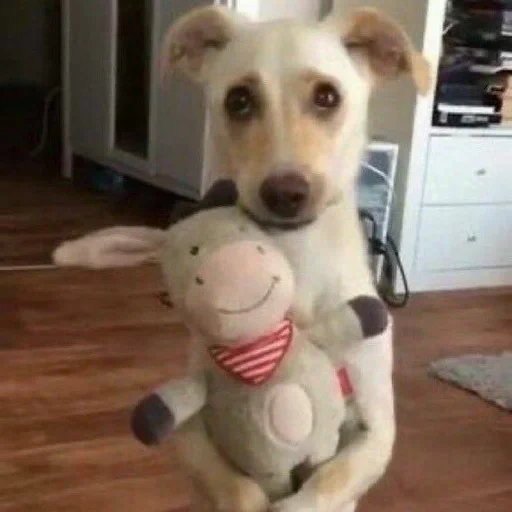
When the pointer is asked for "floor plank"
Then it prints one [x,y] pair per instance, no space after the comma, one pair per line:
[79,348]
[39,209]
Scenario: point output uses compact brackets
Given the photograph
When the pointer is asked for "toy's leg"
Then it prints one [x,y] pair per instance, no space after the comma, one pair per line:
[222,486]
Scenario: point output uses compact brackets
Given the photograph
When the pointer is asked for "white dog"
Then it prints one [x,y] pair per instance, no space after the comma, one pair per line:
[288,108]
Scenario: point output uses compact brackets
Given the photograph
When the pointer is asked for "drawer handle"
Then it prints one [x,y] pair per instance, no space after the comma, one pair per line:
[472,239]
[481,172]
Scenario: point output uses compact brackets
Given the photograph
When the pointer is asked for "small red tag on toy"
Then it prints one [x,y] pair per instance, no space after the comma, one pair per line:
[256,362]
[345,383]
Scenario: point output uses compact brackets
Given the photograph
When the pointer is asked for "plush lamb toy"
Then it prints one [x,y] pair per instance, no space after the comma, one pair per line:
[123,246]
[270,399]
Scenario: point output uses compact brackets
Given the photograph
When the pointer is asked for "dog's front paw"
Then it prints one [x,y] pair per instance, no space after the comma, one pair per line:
[243,495]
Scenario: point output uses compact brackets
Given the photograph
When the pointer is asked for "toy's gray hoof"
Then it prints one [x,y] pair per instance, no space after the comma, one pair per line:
[151,420]
[373,315]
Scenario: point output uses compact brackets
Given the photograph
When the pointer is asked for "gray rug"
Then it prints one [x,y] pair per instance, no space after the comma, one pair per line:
[490,377]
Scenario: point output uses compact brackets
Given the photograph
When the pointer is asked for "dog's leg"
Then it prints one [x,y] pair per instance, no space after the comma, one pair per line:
[222,486]
[351,473]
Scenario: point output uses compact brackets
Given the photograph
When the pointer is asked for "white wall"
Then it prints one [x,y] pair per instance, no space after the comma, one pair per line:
[301,9]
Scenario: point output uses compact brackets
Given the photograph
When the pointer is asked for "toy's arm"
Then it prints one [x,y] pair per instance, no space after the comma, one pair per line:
[351,473]
[166,409]
[360,318]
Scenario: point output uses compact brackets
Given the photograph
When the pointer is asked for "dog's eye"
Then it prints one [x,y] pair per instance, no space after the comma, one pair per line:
[240,103]
[326,97]
[194,250]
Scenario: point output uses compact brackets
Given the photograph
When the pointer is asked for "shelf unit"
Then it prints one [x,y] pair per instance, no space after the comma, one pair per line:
[497,131]
[452,215]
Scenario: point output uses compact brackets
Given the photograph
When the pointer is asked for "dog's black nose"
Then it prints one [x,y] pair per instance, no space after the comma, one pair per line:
[285,195]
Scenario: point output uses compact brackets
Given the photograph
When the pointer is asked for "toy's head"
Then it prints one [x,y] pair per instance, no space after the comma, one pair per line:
[222,271]
[226,277]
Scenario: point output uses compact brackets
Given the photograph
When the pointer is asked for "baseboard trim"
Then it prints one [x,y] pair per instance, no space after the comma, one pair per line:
[25,268]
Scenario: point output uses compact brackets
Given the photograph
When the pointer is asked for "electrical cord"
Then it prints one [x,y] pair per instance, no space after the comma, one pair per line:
[50,96]
[389,252]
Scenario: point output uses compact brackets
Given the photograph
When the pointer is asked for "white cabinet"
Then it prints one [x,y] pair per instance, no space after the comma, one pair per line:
[465,237]
[464,170]
[118,112]
[91,59]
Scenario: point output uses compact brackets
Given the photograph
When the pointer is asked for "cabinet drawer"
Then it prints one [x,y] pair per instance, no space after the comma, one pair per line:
[465,237]
[469,170]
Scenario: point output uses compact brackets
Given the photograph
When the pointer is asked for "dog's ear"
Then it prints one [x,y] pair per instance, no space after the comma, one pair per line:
[197,37]
[111,248]
[384,47]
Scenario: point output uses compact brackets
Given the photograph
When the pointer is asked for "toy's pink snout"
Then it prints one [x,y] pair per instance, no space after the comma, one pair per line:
[242,287]
[239,275]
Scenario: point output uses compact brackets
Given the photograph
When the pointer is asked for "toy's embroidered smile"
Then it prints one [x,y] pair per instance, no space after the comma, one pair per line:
[275,281]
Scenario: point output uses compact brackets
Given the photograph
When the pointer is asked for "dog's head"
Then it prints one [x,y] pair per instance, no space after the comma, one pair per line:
[288,101]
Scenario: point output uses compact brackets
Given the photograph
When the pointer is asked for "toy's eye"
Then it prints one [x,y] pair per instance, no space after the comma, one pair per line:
[194,251]
[199,281]
[261,250]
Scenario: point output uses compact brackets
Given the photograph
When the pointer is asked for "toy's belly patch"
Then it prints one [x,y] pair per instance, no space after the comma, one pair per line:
[289,414]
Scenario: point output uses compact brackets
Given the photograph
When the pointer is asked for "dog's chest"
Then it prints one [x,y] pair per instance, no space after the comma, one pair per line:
[317,272]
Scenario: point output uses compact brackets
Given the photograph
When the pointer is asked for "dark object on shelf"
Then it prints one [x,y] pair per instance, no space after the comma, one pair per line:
[469,94]
[482,5]
[486,30]
[465,120]
[477,52]
[472,55]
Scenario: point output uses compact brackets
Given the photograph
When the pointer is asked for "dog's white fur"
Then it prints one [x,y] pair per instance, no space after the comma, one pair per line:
[282,61]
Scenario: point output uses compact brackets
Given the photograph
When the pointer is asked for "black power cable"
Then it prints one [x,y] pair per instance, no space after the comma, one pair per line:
[388,250]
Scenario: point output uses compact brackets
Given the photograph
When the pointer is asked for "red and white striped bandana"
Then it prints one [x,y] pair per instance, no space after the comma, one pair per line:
[255,363]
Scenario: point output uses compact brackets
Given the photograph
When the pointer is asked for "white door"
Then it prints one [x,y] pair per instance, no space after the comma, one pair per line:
[178,115]
[91,57]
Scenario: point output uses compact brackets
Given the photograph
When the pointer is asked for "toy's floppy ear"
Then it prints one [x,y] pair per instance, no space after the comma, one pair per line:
[385,48]
[198,36]
[111,248]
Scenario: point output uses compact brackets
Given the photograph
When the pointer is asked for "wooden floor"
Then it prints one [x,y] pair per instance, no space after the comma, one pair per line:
[39,209]
[79,348]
